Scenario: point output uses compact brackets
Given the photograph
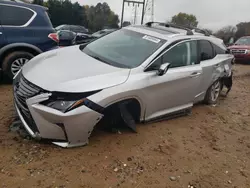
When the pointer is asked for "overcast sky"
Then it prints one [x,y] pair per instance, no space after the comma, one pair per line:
[212,14]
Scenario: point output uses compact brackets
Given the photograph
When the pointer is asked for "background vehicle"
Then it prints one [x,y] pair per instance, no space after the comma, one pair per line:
[69,38]
[241,49]
[66,38]
[25,32]
[103,32]
[138,73]
[73,28]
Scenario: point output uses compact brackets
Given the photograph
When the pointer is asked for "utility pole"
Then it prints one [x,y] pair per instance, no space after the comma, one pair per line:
[134,2]
[149,9]
[135,16]
[153,10]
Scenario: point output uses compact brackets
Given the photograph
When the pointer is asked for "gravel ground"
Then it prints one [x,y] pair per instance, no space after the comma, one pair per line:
[209,149]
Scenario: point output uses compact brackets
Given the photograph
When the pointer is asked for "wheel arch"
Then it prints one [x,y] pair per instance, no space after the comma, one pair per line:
[133,101]
[18,47]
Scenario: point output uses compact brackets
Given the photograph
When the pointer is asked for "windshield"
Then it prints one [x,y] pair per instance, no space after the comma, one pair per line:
[123,48]
[243,41]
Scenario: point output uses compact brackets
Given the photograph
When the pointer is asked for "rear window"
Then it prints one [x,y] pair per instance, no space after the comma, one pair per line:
[47,16]
[218,50]
[14,16]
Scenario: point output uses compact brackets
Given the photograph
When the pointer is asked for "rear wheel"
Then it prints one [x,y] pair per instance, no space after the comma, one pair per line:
[213,92]
[14,61]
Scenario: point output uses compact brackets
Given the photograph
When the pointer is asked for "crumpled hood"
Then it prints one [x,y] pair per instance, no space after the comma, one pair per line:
[70,70]
[239,47]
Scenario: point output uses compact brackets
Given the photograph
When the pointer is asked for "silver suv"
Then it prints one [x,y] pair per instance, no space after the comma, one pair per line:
[138,74]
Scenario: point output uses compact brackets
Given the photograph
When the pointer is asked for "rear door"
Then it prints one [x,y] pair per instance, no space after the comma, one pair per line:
[211,66]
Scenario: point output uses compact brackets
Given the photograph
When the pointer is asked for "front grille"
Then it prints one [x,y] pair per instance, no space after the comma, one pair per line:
[24,90]
[238,51]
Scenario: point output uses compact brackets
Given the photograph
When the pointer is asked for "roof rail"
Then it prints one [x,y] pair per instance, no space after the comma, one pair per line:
[189,31]
[202,31]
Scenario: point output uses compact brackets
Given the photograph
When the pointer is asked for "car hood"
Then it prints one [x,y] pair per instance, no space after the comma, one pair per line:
[71,70]
[239,47]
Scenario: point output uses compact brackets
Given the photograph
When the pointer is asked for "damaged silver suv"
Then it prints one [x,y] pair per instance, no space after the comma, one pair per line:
[135,74]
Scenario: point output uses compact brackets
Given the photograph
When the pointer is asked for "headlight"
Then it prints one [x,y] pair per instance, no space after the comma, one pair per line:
[65,102]
[247,51]
[61,105]
[65,106]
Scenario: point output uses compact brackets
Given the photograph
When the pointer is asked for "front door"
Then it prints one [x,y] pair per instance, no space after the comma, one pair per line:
[176,89]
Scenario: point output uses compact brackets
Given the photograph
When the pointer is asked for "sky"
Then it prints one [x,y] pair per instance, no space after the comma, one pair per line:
[211,14]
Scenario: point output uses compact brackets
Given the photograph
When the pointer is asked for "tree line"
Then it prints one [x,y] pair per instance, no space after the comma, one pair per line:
[92,17]
[101,16]
[226,33]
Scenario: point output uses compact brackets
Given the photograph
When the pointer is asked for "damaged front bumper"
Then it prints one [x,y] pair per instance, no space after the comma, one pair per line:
[69,129]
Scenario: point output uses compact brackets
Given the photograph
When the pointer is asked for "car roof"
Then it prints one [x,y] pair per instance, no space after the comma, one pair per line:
[172,34]
[23,4]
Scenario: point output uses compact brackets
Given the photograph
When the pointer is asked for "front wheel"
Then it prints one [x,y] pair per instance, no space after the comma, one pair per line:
[213,93]
[14,61]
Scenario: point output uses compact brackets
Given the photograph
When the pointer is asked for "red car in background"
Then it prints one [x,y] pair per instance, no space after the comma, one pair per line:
[241,49]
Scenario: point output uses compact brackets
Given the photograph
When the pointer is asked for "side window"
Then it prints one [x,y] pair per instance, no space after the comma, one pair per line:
[177,56]
[182,54]
[206,50]
[14,16]
[218,50]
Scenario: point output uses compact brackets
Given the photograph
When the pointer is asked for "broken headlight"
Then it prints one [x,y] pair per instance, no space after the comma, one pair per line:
[65,102]
[62,106]
[65,106]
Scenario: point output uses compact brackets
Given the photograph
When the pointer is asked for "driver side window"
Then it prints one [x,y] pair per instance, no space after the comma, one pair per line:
[182,54]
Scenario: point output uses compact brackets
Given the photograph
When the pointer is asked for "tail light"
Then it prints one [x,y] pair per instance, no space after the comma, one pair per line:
[54,37]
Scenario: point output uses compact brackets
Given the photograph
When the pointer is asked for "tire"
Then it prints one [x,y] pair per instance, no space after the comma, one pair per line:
[213,93]
[14,61]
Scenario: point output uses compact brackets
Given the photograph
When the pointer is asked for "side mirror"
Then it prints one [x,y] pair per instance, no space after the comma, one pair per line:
[163,69]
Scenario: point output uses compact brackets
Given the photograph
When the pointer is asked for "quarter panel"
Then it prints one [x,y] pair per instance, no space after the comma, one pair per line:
[213,70]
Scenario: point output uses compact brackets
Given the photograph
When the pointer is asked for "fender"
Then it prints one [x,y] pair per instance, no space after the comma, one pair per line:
[14,45]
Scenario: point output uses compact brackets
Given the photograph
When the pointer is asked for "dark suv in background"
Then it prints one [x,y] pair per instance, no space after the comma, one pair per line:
[25,31]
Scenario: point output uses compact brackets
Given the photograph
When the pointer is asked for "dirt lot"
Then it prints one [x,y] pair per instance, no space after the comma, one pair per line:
[209,149]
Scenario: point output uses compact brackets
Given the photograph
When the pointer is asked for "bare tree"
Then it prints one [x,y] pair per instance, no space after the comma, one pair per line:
[226,33]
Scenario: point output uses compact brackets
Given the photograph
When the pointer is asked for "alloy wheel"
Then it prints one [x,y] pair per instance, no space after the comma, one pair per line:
[215,91]
[17,65]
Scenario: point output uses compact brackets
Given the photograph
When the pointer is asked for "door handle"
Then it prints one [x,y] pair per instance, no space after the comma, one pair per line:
[195,74]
